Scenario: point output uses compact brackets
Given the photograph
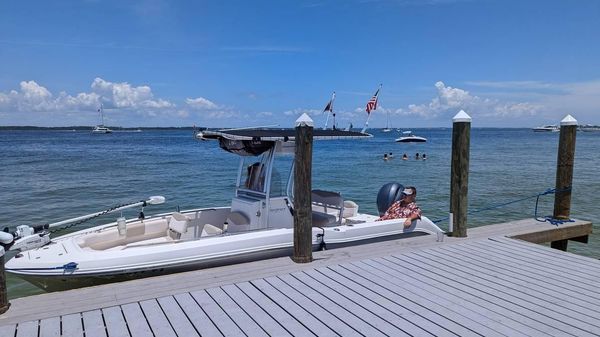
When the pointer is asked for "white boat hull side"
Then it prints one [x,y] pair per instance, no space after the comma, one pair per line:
[415,139]
[96,266]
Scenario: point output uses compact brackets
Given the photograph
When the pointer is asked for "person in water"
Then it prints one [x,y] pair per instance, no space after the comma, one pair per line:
[424,156]
[417,156]
[385,156]
[391,155]
[404,157]
[406,207]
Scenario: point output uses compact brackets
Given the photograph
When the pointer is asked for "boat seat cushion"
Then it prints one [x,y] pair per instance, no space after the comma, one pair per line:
[110,238]
[320,219]
[179,223]
[327,208]
[210,230]
[238,218]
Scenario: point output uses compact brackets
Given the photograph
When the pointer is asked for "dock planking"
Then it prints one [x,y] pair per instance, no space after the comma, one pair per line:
[492,286]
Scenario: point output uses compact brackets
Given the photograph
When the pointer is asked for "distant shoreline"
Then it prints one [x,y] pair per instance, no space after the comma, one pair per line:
[187,128]
[89,128]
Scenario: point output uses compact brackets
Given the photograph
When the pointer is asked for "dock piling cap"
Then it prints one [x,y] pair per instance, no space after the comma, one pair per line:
[461,116]
[304,120]
[568,120]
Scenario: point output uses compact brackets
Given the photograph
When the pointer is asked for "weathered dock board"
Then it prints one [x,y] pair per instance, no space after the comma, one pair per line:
[492,286]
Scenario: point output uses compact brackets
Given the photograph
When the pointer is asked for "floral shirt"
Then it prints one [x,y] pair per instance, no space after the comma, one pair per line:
[397,211]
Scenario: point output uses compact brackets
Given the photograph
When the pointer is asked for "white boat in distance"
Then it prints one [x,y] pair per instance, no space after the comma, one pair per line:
[101,128]
[589,128]
[258,223]
[408,137]
[547,128]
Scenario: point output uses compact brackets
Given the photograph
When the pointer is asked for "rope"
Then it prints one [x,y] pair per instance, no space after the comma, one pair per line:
[548,218]
[537,196]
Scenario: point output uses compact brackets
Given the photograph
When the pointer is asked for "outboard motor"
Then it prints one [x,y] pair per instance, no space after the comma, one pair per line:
[388,194]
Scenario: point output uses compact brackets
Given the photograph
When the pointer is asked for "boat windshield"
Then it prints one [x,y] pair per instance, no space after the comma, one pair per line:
[281,175]
[255,178]
[254,175]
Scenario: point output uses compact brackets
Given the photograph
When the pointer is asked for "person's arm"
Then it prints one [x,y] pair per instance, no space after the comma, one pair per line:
[414,215]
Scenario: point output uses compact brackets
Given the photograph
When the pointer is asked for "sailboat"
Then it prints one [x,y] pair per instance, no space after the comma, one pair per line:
[101,128]
[387,124]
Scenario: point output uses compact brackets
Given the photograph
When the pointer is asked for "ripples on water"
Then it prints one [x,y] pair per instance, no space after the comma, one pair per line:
[48,176]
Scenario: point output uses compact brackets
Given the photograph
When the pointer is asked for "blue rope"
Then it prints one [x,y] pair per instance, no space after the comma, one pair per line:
[537,196]
[548,218]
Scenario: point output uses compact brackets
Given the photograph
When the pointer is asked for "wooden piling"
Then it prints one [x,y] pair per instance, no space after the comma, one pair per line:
[302,190]
[564,174]
[4,304]
[459,173]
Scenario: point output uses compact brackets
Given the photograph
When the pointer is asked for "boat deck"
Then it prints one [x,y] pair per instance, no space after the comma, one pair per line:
[483,285]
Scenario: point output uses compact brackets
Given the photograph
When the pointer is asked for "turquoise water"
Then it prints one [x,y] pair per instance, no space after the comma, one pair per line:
[47,176]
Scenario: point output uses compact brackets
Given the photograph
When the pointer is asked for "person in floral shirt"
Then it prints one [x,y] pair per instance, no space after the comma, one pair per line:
[404,208]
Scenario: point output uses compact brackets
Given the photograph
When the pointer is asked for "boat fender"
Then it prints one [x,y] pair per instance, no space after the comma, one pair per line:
[6,238]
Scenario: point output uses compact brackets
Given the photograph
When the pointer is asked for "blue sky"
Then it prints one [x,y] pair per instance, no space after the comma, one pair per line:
[244,63]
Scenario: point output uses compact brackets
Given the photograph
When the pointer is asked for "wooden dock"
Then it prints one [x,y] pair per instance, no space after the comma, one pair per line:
[485,285]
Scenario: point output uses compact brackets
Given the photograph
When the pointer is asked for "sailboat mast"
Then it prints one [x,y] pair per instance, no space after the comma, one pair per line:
[102,114]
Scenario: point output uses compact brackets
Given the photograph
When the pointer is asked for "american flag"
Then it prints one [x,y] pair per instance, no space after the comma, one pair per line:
[372,104]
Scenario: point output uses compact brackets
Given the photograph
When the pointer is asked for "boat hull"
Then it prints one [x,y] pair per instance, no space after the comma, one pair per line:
[42,267]
[411,140]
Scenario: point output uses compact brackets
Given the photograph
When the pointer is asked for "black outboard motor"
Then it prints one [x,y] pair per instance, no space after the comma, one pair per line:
[388,194]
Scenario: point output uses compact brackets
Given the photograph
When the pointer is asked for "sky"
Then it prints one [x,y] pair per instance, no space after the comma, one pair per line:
[257,63]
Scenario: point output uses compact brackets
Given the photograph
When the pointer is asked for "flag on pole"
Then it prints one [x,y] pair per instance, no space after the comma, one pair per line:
[372,104]
[328,109]
[329,106]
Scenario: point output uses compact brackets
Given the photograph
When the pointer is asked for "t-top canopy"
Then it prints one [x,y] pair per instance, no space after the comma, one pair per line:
[253,142]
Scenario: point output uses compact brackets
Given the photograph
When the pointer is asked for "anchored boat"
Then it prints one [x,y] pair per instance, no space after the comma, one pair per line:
[408,137]
[258,223]
[546,128]
[101,128]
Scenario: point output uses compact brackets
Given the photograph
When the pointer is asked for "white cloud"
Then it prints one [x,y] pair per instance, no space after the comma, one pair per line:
[210,110]
[449,100]
[123,95]
[36,98]
[555,100]
[201,103]
[300,111]
[33,97]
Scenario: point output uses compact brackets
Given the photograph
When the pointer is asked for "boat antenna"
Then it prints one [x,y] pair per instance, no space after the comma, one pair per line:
[371,105]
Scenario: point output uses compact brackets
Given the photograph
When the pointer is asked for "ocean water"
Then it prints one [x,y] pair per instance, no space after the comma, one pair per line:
[48,176]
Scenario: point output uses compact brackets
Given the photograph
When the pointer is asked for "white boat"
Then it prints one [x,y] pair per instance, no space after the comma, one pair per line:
[258,224]
[101,128]
[408,137]
[589,128]
[547,128]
